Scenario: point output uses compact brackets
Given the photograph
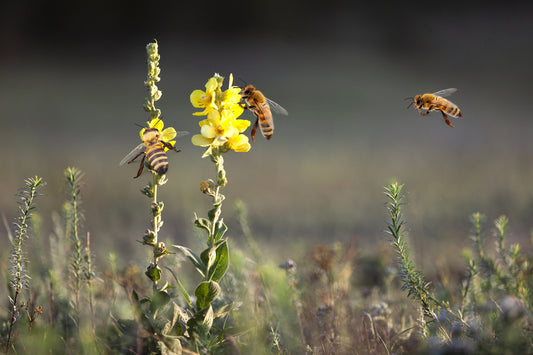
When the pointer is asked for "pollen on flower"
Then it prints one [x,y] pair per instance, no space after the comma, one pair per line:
[220,130]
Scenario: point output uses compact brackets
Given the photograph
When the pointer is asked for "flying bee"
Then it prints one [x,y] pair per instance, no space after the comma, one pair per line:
[262,108]
[437,102]
[153,149]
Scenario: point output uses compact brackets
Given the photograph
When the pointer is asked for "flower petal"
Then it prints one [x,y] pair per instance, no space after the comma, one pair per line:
[239,143]
[200,98]
[208,131]
[211,84]
[156,123]
[168,134]
[241,125]
[200,140]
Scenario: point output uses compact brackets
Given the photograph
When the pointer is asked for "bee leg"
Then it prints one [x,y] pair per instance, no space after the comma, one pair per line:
[140,167]
[170,147]
[448,122]
[131,161]
[254,129]
[422,113]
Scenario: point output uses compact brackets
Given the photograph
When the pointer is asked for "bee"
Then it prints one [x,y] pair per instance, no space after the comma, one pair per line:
[261,107]
[153,148]
[437,102]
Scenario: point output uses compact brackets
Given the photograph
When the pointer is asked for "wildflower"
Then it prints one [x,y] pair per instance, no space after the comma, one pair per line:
[166,135]
[239,143]
[221,129]
[205,99]
[205,187]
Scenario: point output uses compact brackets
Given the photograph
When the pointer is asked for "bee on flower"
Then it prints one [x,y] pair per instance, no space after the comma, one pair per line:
[156,141]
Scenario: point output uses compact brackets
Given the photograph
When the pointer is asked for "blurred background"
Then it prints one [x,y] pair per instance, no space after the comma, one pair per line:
[71,92]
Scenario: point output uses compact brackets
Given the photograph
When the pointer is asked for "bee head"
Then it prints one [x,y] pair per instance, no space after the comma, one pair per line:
[248,90]
[418,100]
[150,134]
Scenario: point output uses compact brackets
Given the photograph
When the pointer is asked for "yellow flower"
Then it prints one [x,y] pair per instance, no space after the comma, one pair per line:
[205,99]
[241,125]
[215,130]
[239,143]
[166,135]
[221,128]
[231,99]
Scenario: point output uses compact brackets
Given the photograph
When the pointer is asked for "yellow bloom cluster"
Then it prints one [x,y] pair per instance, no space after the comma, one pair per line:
[221,128]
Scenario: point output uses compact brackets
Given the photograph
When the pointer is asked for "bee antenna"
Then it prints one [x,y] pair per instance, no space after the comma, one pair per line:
[244,82]
[412,101]
[138,125]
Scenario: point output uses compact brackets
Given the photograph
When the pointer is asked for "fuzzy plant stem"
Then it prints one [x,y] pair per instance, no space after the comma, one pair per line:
[19,278]
[73,177]
[413,280]
[156,224]
[221,181]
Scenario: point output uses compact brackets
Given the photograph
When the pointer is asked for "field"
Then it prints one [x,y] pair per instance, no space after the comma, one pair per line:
[455,277]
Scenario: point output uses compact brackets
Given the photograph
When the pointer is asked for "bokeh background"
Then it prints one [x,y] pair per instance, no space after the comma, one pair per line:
[71,92]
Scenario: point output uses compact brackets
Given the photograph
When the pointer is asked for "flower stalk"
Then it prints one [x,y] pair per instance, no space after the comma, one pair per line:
[153,271]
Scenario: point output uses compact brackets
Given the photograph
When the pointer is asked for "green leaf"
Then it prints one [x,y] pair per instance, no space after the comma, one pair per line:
[221,263]
[197,262]
[135,297]
[206,293]
[220,229]
[159,301]
[215,212]
[169,345]
[203,223]
[208,256]
[225,309]
[180,286]
[153,272]
[208,318]
[139,312]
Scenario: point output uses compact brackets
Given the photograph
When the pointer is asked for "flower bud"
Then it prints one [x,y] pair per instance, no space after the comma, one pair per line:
[148,191]
[149,238]
[161,250]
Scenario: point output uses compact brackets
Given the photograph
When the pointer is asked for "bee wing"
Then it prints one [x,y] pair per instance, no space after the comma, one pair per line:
[140,148]
[445,92]
[181,134]
[276,107]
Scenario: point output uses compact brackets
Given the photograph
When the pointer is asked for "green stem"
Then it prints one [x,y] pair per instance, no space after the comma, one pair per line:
[19,261]
[157,218]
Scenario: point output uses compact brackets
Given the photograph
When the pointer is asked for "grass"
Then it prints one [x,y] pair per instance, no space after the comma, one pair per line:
[224,294]
[334,299]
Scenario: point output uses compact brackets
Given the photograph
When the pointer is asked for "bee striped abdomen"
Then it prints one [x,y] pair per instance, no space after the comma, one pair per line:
[157,158]
[266,122]
[453,111]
